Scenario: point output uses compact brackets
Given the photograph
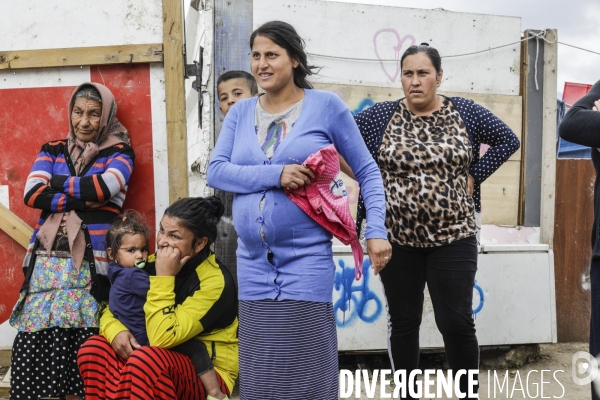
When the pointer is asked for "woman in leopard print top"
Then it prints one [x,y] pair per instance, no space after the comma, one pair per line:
[427,147]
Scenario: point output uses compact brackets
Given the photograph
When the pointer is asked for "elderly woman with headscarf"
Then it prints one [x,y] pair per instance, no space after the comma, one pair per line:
[79,183]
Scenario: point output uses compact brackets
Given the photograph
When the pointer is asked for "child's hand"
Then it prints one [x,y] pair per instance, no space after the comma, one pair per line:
[169,261]
[124,344]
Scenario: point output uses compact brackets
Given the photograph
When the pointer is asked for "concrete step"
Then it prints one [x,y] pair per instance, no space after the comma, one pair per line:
[4,386]
[5,354]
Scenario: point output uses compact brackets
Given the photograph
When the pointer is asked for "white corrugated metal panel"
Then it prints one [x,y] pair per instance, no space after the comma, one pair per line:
[31,24]
[358,31]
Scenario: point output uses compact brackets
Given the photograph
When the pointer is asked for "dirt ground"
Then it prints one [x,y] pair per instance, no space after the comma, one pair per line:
[523,370]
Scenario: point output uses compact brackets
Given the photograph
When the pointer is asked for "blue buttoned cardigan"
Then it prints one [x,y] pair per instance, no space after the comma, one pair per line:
[303,260]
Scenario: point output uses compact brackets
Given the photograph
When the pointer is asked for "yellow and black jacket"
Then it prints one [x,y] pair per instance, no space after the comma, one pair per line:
[200,302]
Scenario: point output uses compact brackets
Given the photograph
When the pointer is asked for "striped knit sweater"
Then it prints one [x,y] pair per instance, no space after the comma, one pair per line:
[53,187]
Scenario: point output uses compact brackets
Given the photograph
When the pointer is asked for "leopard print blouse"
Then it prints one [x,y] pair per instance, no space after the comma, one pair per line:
[424,164]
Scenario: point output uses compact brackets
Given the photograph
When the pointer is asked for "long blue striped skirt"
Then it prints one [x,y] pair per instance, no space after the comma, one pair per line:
[288,350]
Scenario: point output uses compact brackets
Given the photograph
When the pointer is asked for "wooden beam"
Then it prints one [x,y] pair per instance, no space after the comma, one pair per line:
[524,115]
[15,227]
[500,195]
[175,99]
[549,138]
[535,90]
[574,219]
[500,192]
[77,56]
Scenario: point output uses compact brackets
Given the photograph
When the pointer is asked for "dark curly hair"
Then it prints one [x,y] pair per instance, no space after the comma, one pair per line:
[200,215]
[130,222]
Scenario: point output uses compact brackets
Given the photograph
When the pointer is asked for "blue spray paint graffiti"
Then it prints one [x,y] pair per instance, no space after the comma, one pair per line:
[353,300]
[355,296]
[480,291]
[363,105]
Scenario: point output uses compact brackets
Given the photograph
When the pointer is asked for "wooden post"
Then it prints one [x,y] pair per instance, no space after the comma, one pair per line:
[175,99]
[549,139]
[533,132]
[538,145]
[573,250]
[523,93]
[15,227]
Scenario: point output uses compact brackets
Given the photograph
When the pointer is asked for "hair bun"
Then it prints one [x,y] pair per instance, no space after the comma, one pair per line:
[424,44]
[215,206]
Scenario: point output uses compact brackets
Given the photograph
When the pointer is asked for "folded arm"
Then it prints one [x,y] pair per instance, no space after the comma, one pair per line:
[581,125]
[99,187]
[503,142]
[38,193]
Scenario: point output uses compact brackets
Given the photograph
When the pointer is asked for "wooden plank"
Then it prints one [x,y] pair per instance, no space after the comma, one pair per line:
[500,195]
[549,138]
[77,56]
[5,355]
[523,93]
[500,192]
[574,219]
[175,99]
[507,108]
[14,226]
[533,130]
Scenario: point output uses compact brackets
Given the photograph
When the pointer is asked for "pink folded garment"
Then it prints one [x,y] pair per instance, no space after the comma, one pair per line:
[325,200]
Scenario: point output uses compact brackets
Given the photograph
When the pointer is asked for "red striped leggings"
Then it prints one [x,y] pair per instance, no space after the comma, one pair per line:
[148,373]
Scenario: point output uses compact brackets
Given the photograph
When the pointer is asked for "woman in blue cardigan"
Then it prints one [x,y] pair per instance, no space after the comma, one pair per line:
[287,334]
[427,147]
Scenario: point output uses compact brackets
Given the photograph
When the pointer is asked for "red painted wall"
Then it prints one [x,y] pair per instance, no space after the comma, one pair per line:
[30,117]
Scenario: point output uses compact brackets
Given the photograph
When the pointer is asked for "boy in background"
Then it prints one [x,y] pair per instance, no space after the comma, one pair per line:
[233,86]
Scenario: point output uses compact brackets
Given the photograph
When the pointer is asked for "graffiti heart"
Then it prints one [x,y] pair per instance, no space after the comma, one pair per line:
[382,47]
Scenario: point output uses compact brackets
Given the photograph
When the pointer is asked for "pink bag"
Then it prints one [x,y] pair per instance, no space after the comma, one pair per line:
[325,200]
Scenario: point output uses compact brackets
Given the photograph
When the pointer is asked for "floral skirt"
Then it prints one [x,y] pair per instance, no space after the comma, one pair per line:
[57,297]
